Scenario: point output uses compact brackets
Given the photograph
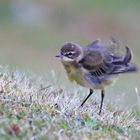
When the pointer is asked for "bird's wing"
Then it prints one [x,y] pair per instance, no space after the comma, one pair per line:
[99,61]
[94,44]
[114,46]
[96,62]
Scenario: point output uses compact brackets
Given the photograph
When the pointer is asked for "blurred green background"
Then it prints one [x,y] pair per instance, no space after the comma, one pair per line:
[32,32]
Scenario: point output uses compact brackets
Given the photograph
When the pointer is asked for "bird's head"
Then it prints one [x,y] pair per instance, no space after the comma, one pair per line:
[71,52]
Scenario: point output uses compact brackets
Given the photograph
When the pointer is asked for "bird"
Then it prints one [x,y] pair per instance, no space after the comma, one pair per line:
[95,66]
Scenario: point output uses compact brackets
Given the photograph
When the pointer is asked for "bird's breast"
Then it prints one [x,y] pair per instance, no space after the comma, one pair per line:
[75,73]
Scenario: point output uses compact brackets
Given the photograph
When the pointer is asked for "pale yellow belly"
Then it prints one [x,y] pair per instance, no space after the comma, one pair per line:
[78,75]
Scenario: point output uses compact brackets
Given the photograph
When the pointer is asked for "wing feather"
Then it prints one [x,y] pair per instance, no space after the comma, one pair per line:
[95,62]
[99,61]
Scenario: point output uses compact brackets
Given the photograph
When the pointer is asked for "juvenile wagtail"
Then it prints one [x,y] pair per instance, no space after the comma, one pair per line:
[94,66]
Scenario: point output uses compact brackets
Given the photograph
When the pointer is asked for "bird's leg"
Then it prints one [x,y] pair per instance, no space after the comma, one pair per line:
[102,99]
[90,93]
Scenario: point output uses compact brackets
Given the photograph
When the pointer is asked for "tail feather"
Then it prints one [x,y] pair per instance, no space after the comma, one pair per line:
[128,56]
[125,69]
[123,61]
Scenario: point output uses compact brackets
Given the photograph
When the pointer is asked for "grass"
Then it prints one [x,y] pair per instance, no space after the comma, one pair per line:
[31,107]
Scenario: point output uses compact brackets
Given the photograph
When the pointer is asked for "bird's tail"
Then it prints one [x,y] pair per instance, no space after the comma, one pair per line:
[125,69]
[123,65]
[128,56]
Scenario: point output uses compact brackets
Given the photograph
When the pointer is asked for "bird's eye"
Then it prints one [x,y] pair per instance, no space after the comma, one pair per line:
[69,54]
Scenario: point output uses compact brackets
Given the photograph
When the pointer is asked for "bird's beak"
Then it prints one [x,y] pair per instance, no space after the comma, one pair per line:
[58,56]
